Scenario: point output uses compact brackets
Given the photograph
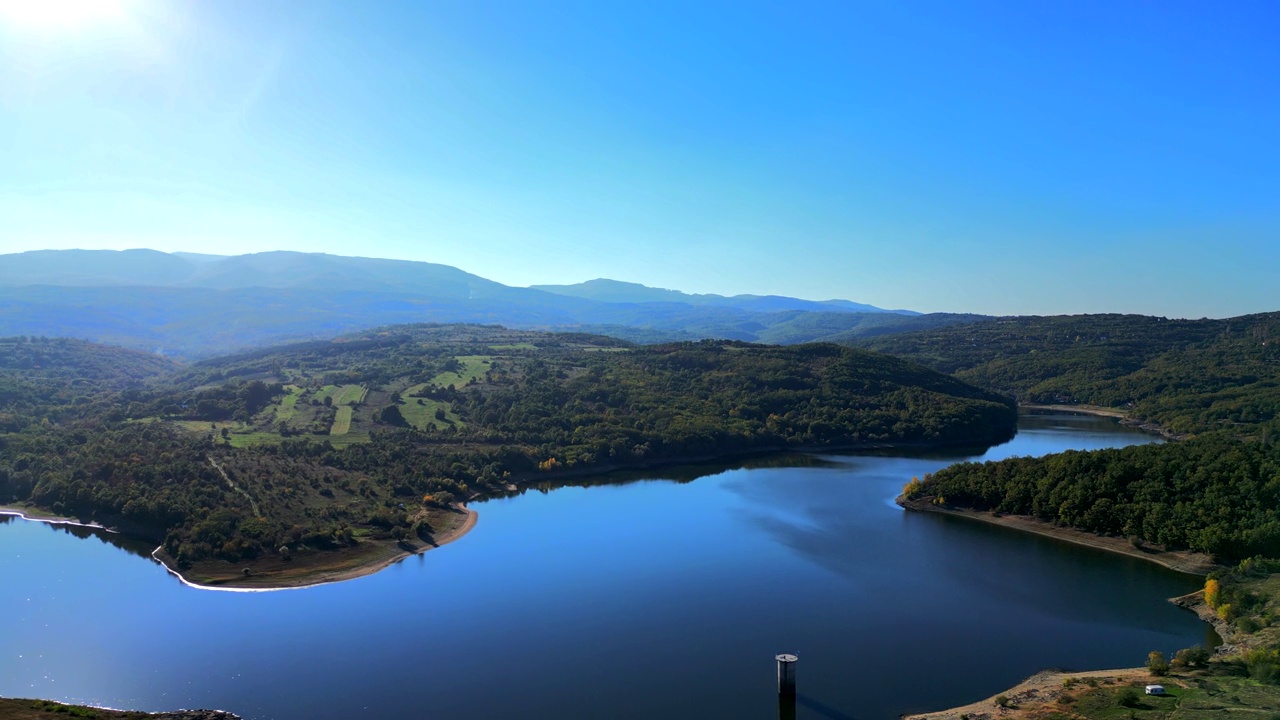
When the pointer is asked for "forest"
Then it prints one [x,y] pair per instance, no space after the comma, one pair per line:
[1213,383]
[368,437]
[1188,376]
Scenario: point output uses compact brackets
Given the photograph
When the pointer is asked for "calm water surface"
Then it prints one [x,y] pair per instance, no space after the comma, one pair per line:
[645,598]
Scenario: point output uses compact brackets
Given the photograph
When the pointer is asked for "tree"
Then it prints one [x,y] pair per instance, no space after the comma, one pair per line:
[391,415]
[1194,656]
[1157,664]
[1212,592]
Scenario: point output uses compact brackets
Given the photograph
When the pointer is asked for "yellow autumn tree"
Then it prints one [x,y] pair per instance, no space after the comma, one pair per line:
[1212,592]
[912,489]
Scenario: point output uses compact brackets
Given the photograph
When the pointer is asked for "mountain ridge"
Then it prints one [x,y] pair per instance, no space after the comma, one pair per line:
[195,306]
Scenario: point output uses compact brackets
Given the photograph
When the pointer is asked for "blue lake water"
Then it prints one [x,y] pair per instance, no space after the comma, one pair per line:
[652,596]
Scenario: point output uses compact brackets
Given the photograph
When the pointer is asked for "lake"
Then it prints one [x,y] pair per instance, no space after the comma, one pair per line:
[654,595]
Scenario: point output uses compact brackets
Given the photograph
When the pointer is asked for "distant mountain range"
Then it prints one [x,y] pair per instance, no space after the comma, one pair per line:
[614,291]
[192,305]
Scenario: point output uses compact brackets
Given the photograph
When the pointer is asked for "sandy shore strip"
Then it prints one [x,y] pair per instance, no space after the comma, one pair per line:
[38,515]
[337,566]
[1082,409]
[1181,560]
[1037,691]
[332,566]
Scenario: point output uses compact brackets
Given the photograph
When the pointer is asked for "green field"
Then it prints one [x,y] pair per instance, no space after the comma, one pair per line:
[238,434]
[342,421]
[1203,698]
[342,441]
[473,366]
[418,412]
[514,346]
[342,394]
[288,407]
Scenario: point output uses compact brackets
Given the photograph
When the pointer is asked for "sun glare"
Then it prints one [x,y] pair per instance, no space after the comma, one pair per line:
[56,14]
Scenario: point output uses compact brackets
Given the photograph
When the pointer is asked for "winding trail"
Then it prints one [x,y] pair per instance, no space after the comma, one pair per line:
[252,503]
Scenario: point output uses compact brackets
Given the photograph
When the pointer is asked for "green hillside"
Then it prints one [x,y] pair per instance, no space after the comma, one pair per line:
[1187,375]
[370,438]
[1217,382]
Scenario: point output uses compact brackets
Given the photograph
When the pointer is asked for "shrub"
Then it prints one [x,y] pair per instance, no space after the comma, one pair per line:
[1226,612]
[1157,664]
[1194,656]
[1128,697]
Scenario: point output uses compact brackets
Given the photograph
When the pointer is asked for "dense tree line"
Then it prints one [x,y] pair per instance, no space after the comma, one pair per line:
[1220,379]
[1187,375]
[1216,494]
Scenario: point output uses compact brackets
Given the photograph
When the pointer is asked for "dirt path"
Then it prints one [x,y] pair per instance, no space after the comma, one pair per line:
[233,486]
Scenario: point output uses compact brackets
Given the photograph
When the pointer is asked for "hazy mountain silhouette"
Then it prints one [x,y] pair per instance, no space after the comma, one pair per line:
[616,291]
[195,305]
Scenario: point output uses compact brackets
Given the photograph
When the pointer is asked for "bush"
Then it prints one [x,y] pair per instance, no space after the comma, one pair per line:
[1194,656]
[1128,697]
[1263,665]
[1157,664]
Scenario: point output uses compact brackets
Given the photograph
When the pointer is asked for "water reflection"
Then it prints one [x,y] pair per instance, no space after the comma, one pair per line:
[133,546]
[574,603]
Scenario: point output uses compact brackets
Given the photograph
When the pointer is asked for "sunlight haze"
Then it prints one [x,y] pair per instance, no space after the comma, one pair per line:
[999,158]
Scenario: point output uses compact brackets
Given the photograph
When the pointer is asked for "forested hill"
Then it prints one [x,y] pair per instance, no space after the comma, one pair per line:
[1187,375]
[1216,492]
[60,376]
[336,444]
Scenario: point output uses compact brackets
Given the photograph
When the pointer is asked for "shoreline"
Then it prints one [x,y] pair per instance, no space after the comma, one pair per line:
[1044,687]
[1029,698]
[307,578]
[303,578]
[1098,410]
[335,566]
[25,708]
[50,519]
[1035,692]
[1182,561]
[1114,413]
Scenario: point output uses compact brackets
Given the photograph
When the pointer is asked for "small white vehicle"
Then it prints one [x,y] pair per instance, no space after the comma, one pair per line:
[1155,689]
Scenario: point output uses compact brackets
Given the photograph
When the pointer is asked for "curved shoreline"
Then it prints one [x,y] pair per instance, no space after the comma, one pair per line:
[1107,412]
[384,554]
[1040,689]
[1178,560]
[323,577]
[237,584]
[11,511]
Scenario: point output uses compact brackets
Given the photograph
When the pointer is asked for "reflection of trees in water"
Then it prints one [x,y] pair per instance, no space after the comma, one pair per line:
[130,545]
[675,473]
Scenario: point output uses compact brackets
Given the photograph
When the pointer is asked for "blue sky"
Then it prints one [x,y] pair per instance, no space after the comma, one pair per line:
[1012,157]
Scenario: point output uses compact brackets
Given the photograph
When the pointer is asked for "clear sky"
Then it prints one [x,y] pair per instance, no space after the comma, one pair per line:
[1004,157]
